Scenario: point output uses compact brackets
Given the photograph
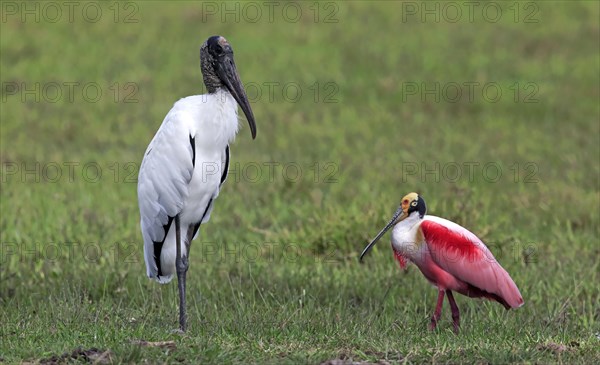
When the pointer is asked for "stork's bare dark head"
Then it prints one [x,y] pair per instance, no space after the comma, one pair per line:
[219,70]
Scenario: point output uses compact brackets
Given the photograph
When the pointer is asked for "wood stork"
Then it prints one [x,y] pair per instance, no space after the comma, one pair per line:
[449,256]
[185,165]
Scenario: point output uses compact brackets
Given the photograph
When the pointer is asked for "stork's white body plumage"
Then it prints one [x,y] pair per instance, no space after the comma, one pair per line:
[186,163]
[177,177]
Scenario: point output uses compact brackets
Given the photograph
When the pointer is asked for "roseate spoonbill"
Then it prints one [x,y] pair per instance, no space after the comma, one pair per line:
[185,165]
[449,256]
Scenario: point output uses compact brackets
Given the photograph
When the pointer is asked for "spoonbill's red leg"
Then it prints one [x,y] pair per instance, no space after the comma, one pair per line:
[438,310]
[455,311]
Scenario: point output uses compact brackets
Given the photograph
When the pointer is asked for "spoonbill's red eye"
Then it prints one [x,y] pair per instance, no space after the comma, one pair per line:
[405,201]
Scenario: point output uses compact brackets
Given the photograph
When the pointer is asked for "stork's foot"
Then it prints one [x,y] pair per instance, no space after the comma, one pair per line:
[182,267]
[178,331]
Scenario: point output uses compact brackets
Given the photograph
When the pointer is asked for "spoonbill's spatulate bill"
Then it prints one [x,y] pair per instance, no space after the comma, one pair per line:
[185,165]
[449,256]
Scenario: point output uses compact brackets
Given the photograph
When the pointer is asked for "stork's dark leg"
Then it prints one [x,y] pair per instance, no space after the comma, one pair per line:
[181,265]
[455,311]
[438,310]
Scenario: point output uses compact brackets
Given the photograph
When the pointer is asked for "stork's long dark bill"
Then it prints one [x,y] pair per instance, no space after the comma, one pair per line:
[228,74]
[382,232]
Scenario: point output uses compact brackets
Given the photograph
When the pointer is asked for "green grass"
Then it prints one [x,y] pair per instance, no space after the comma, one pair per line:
[274,276]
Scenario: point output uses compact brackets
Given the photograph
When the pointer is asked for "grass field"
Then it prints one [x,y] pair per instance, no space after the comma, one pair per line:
[492,115]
